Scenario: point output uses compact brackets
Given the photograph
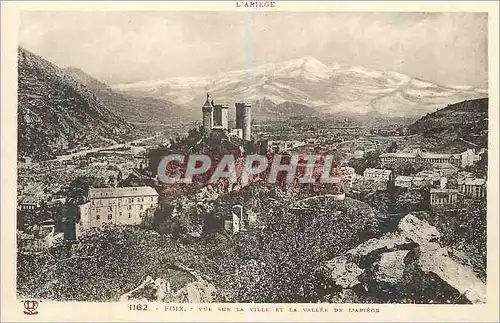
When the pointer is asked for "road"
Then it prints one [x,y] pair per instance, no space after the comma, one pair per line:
[93,150]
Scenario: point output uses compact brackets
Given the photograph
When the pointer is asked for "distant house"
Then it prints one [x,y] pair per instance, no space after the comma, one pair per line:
[24,162]
[236,133]
[473,187]
[403,181]
[445,197]
[235,223]
[433,178]
[445,169]
[358,154]
[30,203]
[283,145]
[140,161]
[240,221]
[411,181]
[378,174]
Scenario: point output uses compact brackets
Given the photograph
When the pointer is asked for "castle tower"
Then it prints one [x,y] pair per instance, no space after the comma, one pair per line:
[220,116]
[243,119]
[225,117]
[207,115]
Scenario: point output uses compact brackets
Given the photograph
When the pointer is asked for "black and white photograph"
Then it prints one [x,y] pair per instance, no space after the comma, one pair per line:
[252,157]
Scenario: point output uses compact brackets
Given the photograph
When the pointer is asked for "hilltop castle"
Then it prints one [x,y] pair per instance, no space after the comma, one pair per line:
[215,116]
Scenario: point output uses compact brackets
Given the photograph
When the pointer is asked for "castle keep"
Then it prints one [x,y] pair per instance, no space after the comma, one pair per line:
[215,116]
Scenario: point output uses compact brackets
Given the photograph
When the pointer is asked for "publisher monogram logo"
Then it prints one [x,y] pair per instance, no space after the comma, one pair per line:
[30,307]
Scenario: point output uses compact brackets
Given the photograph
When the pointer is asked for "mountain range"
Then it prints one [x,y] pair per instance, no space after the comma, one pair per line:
[307,86]
[61,110]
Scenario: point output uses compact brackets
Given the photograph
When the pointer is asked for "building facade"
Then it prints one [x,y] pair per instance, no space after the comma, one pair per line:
[283,145]
[237,222]
[473,187]
[122,205]
[445,197]
[411,181]
[378,174]
[466,158]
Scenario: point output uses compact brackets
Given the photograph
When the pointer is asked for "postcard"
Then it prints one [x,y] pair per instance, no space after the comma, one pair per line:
[249,161]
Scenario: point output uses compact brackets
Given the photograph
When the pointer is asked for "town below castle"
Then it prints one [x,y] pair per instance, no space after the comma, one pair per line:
[63,201]
[443,176]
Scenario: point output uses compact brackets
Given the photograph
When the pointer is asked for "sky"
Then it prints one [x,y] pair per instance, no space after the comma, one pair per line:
[121,47]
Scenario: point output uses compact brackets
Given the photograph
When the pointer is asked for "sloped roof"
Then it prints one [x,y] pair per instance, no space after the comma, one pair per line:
[378,171]
[122,192]
[474,181]
[208,104]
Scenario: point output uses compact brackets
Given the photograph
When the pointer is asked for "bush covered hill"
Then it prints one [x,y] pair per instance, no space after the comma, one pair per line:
[284,261]
[275,264]
[137,110]
[455,128]
[57,113]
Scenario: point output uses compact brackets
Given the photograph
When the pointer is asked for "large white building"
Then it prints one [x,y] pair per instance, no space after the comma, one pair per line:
[121,205]
[466,158]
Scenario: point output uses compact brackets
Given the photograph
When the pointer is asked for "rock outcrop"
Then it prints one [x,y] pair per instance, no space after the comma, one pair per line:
[398,264]
[160,290]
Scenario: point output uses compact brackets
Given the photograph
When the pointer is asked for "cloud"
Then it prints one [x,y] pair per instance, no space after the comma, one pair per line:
[130,46]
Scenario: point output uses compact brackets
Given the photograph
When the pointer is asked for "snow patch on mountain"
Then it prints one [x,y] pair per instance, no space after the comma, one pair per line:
[309,82]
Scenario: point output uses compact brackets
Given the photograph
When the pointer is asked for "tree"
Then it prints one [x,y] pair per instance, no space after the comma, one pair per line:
[410,201]
[79,187]
[393,147]
[370,160]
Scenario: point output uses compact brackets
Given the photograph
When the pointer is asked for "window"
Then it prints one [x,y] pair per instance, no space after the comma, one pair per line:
[120,213]
[152,206]
[129,215]
[151,198]
[129,207]
[111,208]
[97,217]
[93,202]
[142,206]
[110,216]
[142,199]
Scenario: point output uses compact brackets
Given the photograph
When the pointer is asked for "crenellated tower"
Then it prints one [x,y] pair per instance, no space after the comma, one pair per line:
[207,110]
[243,119]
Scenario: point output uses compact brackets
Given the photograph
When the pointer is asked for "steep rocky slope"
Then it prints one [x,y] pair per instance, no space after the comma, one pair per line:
[457,126]
[135,109]
[57,114]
